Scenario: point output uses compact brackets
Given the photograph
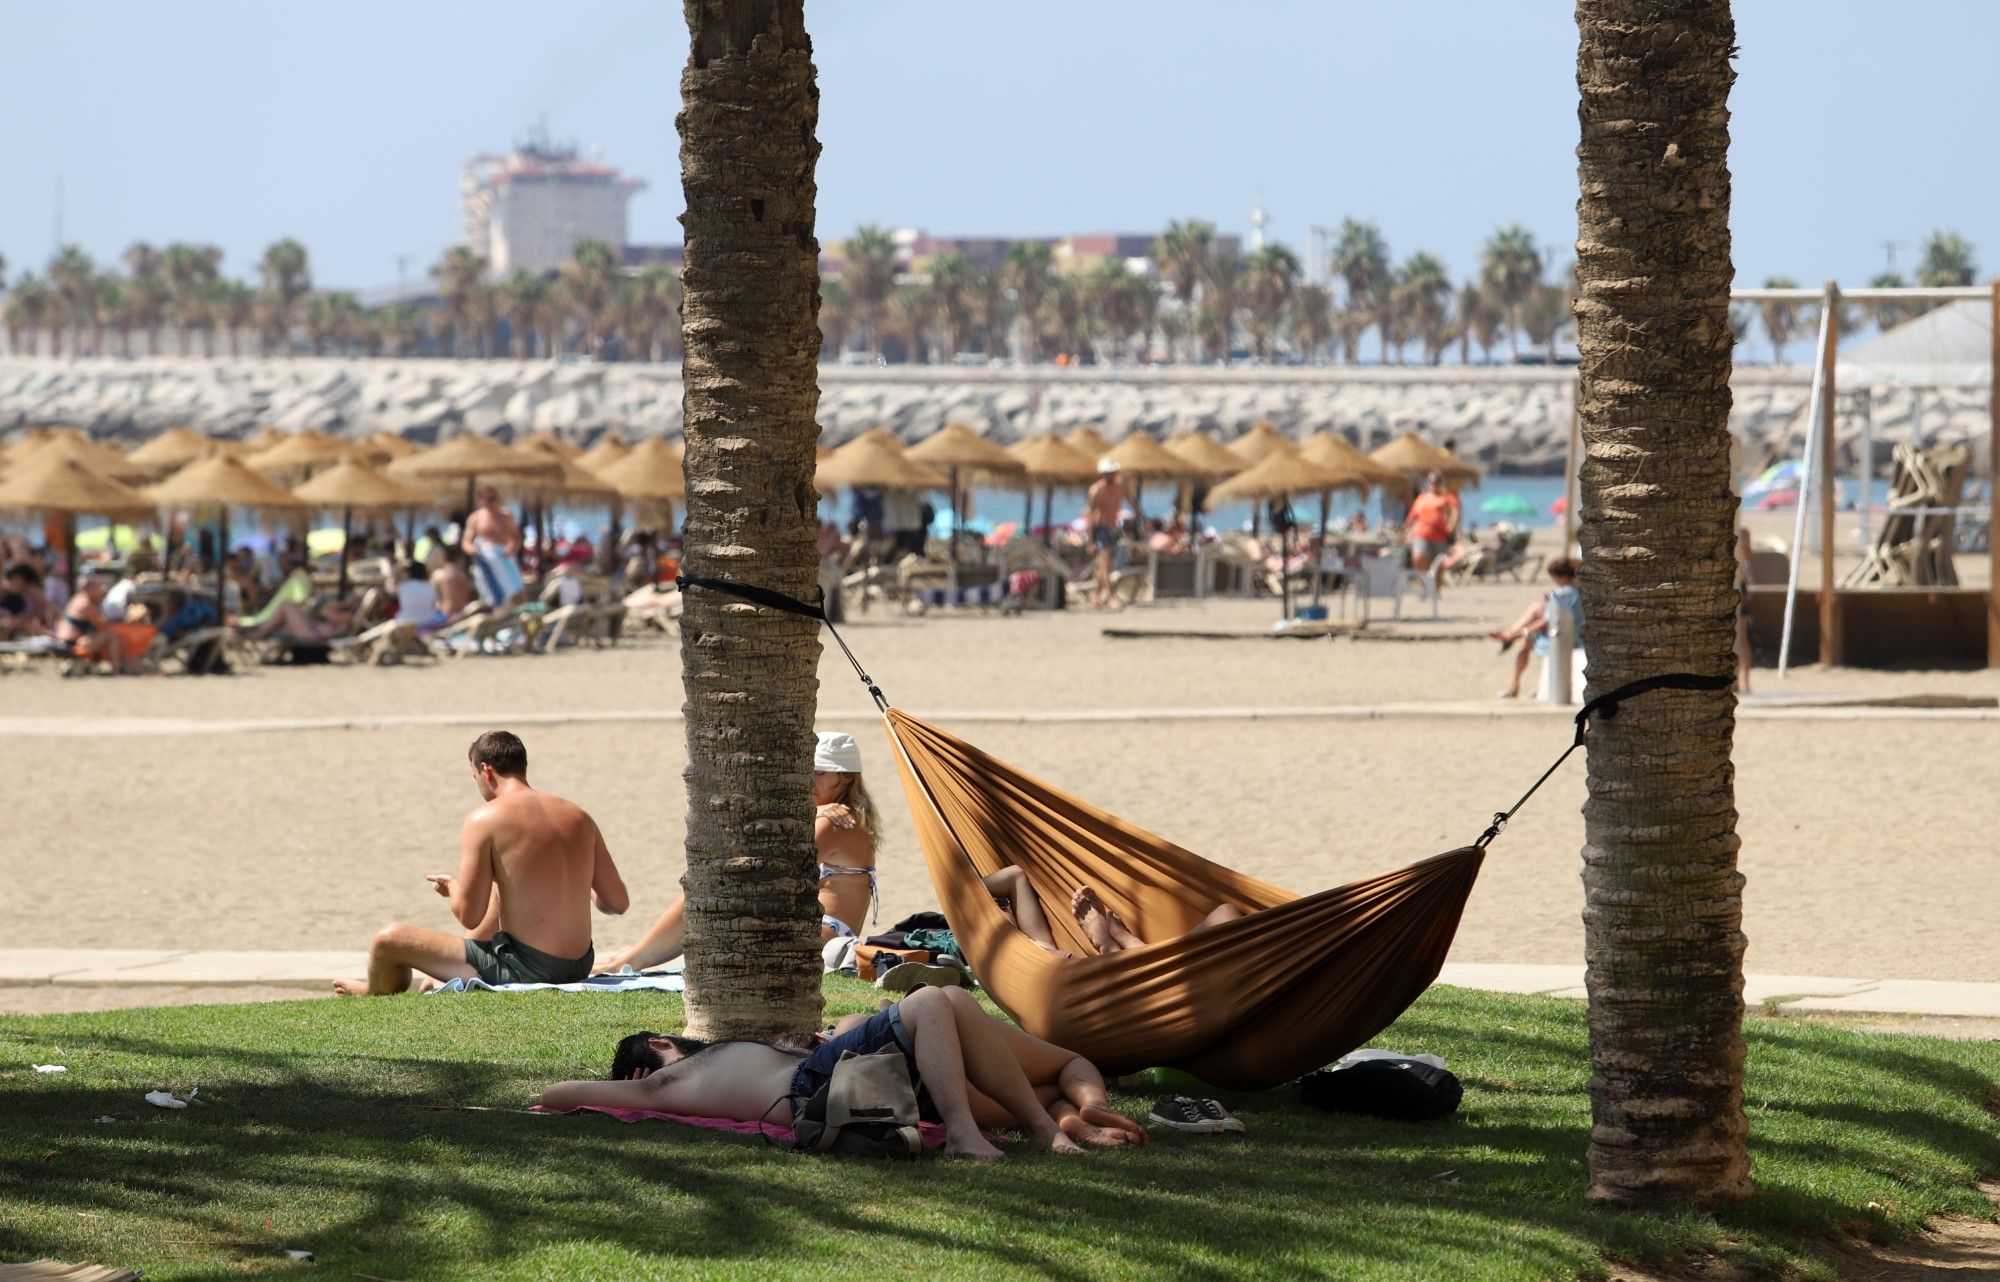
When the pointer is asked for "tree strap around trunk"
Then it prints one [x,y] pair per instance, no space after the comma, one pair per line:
[1604,705]
[790,605]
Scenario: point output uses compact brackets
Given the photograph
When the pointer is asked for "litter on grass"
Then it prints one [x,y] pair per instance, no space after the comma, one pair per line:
[51,1068]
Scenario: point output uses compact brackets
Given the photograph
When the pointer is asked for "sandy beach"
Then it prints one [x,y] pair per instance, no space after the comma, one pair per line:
[300,808]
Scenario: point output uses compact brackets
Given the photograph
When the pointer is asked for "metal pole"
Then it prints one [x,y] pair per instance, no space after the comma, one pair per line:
[1993,491]
[1830,647]
[1813,404]
[1867,470]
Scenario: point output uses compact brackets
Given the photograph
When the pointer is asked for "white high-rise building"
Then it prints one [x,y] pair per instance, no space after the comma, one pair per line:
[526,210]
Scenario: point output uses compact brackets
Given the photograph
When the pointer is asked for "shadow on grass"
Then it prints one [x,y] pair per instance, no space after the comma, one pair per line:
[363,1155]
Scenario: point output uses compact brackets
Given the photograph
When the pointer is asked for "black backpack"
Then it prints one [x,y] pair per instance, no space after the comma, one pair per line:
[1405,1090]
[868,1108]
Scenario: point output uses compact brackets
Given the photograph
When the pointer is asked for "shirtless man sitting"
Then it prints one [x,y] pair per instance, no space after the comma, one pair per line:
[530,866]
[970,1071]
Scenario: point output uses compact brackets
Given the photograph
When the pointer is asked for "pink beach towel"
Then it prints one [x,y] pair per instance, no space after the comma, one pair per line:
[932,1132]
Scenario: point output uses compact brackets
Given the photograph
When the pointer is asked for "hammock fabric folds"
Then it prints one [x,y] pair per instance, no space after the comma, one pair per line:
[1249,1004]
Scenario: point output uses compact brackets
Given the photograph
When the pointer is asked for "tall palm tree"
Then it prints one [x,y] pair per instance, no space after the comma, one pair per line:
[1182,253]
[31,307]
[1509,268]
[590,284]
[1544,315]
[950,288]
[1311,321]
[1222,289]
[870,277]
[188,271]
[520,298]
[991,310]
[1361,259]
[1781,319]
[657,302]
[1947,260]
[114,314]
[750,393]
[1031,269]
[400,327]
[233,306]
[1423,293]
[909,313]
[147,292]
[287,277]
[458,275]
[73,277]
[836,317]
[1269,279]
[1663,937]
[1114,302]
[1068,314]
[1888,315]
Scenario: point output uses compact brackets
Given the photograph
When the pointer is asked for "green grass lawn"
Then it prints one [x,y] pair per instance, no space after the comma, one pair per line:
[329,1131]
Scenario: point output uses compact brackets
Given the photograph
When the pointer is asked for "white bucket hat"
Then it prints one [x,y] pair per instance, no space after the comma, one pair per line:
[1106,466]
[837,752]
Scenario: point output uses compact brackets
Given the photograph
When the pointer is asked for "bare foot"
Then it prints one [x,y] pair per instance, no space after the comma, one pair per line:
[350,988]
[975,1147]
[1090,915]
[1062,1143]
[1103,1127]
[425,984]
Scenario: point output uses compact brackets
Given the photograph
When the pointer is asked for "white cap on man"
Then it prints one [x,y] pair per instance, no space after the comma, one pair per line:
[1107,466]
[837,753]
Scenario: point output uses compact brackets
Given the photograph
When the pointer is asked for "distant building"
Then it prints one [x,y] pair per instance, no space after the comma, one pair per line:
[526,210]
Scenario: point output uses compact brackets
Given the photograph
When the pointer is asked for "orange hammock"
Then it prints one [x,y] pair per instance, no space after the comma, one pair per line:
[1248,1004]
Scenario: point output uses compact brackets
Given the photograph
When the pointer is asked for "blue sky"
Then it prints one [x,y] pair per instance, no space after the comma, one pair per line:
[239,121]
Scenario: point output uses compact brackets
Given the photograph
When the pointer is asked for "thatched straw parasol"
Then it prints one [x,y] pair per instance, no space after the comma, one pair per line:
[1282,474]
[387,444]
[650,473]
[57,483]
[1204,452]
[549,443]
[298,454]
[263,439]
[610,448]
[1261,442]
[1409,455]
[353,485]
[467,458]
[101,459]
[175,447]
[955,449]
[1088,440]
[1048,463]
[570,481]
[222,483]
[872,460]
[1142,458]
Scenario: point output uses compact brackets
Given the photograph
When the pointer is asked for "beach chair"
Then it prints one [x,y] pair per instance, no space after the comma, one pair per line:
[1920,533]
[1381,578]
[201,652]
[1425,583]
[607,623]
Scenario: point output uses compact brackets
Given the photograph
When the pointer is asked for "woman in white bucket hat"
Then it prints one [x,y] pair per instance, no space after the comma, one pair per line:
[846,826]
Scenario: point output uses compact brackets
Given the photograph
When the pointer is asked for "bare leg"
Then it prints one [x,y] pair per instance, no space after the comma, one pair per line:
[1742,653]
[1090,916]
[1012,885]
[1521,656]
[1219,914]
[660,944]
[400,949]
[1531,621]
[959,1046]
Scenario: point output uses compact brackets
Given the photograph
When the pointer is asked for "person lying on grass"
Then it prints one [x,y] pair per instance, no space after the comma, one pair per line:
[530,866]
[970,1070]
[1101,926]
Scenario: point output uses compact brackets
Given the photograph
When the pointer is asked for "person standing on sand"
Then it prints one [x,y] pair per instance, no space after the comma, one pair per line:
[1101,513]
[530,867]
[492,542]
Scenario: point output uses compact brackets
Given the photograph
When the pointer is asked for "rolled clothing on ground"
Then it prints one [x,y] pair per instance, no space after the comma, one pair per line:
[506,960]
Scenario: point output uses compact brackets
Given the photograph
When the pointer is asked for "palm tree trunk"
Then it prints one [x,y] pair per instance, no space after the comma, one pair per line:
[1663,938]
[750,393]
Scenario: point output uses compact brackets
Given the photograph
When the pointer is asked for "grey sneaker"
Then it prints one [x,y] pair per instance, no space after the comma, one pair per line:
[1180,1113]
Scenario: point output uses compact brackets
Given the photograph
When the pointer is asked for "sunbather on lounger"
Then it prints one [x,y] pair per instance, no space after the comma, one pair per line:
[530,867]
[970,1070]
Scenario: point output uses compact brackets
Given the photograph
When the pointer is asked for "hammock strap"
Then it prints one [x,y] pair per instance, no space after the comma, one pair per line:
[789,605]
[1604,705]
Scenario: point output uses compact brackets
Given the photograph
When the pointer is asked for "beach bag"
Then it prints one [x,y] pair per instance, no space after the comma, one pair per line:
[868,1108]
[1399,1087]
[869,959]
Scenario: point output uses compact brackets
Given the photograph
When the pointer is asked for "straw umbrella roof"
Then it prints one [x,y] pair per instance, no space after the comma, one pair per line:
[1284,474]
[1261,442]
[264,439]
[465,456]
[1464,469]
[1410,455]
[1142,457]
[219,481]
[57,482]
[1087,440]
[1050,460]
[651,472]
[957,446]
[390,445]
[1205,453]
[101,459]
[550,443]
[174,447]
[299,451]
[608,450]
[871,460]
[571,479]
[353,483]
[1332,450]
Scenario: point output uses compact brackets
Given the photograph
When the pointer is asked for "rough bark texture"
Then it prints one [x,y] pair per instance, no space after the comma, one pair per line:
[1663,900]
[750,319]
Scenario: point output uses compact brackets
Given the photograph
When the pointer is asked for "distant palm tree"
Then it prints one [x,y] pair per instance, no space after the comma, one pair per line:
[950,290]
[148,292]
[1509,269]
[1311,317]
[657,309]
[1175,327]
[189,270]
[909,313]
[73,278]
[1423,292]
[1115,303]
[870,276]
[1361,259]
[1269,279]
[400,327]
[836,316]
[1478,321]
[482,316]
[590,284]
[1030,274]
[991,310]
[287,277]
[1182,253]
[114,315]
[458,274]
[1222,288]
[1888,315]
[1066,313]
[1781,319]
[31,307]
[233,306]
[1349,324]
[1544,315]
[520,299]
[1947,261]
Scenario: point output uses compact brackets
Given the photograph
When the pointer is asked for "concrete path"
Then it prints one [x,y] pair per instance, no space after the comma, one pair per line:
[1833,708]
[1800,994]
